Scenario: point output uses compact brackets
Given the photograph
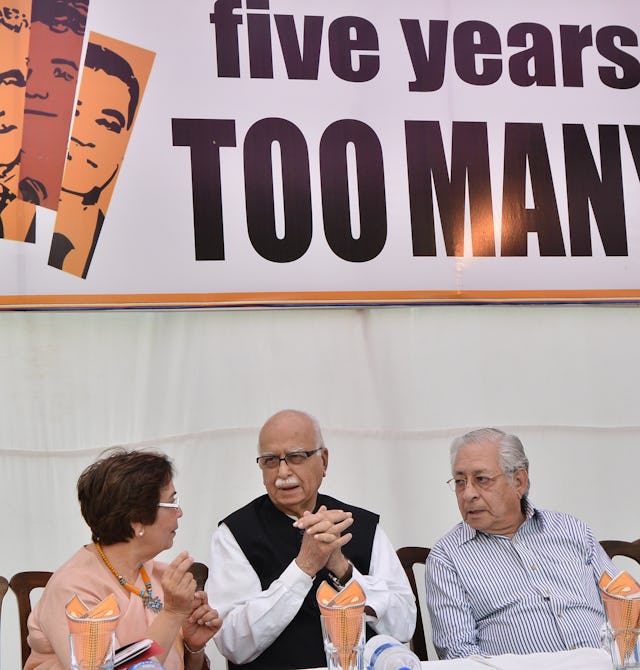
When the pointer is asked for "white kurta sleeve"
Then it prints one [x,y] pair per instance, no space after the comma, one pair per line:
[252,618]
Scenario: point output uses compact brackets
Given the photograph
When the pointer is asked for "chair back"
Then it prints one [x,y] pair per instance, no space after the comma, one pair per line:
[622,548]
[4,585]
[22,583]
[410,556]
[200,572]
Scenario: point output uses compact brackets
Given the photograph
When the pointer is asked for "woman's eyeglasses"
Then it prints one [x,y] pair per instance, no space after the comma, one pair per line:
[172,505]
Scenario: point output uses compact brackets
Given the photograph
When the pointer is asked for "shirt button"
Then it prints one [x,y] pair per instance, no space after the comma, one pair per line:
[533,567]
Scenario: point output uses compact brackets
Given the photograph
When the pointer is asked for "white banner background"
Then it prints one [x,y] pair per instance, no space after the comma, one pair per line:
[146,251]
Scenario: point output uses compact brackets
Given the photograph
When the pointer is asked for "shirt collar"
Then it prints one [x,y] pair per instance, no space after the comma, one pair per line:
[467,533]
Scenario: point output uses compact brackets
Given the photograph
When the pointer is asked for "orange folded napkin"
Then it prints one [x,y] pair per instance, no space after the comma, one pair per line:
[343,615]
[93,628]
[621,598]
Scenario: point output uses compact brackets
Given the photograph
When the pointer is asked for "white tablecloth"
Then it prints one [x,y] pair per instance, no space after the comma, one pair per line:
[578,659]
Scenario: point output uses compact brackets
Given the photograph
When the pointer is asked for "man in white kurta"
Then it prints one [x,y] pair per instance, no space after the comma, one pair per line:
[268,558]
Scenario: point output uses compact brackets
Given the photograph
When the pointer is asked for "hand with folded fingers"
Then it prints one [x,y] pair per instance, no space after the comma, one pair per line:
[322,537]
[202,623]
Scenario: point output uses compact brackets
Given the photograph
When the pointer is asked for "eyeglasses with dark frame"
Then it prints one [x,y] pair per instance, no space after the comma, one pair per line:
[172,505]
[482,482]
[271,461]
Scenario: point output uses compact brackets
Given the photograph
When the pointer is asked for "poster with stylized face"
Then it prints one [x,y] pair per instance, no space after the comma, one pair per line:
[113,80]
[16,217]
[55,49]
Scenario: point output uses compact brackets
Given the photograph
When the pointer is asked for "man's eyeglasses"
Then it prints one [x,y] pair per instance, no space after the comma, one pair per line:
[482,482]
[270,461]
[172,505]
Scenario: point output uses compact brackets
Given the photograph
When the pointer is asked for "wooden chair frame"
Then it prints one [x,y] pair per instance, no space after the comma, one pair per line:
[622,548]
[4,587]
[410,556]
[22,583]
[200,571]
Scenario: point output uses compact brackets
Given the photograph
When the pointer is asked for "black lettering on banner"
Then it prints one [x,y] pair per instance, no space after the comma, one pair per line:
[573,41]
[472,39]
[605,42]
[585,186]
[301,63]
[525,145]
[633,137]
[426,161]
[296,186]
[259,36]
[341,46]
[540,54]
[226,31]
[205,137]
[335,190]
[428,69]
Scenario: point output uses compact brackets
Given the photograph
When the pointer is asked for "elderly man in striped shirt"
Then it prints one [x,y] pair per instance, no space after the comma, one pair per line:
[510,578]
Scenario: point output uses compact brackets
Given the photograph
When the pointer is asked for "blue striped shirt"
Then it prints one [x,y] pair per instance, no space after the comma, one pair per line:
[535,592]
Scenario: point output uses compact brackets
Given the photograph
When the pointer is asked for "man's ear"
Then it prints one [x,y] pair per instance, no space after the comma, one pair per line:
[520,481]
[325,460]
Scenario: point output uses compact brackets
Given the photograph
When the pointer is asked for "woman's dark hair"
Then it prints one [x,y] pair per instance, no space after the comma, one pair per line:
[121,488]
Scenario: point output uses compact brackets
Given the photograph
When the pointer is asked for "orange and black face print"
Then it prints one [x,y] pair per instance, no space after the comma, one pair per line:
[57,32]
[16,217]
[114,76]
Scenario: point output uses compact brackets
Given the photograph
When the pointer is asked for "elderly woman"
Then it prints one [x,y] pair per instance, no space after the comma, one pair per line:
[129,502]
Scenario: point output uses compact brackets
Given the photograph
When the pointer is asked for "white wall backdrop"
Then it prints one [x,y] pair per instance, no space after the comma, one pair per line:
[391,387]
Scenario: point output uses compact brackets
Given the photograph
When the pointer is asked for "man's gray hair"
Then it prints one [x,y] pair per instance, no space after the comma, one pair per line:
[317,433]
[316,430]
[511,454]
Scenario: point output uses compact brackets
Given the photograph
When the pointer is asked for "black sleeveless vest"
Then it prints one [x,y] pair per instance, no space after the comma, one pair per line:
[270,543]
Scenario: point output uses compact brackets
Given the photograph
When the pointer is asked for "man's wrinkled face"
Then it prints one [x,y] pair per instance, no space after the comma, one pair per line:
[490,501]
[292,488]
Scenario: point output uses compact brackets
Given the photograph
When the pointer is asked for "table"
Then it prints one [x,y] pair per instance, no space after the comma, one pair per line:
[577,659]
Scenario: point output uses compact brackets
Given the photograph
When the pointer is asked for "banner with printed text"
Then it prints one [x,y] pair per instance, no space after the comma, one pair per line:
[267,152]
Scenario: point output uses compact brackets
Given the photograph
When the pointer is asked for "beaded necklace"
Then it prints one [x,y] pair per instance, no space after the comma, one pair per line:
[150,601]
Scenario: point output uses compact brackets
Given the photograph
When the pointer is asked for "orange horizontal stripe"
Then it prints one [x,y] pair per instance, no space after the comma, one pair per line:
[311,297]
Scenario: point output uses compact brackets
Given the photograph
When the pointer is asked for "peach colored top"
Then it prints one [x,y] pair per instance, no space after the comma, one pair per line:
[86,575]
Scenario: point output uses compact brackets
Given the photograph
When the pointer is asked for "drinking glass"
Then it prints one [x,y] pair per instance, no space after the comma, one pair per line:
[343,637]
[624,647]
[92,650]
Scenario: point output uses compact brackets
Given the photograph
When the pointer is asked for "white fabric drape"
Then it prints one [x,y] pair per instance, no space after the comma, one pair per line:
[390,386]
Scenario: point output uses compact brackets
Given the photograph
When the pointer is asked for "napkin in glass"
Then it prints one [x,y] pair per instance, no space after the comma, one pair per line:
[343,611]
[621,598]
[95,625]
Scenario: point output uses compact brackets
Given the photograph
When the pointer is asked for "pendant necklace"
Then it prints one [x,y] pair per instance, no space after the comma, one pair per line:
[150,601]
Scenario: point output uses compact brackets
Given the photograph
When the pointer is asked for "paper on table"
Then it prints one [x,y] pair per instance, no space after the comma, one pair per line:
[135,652]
